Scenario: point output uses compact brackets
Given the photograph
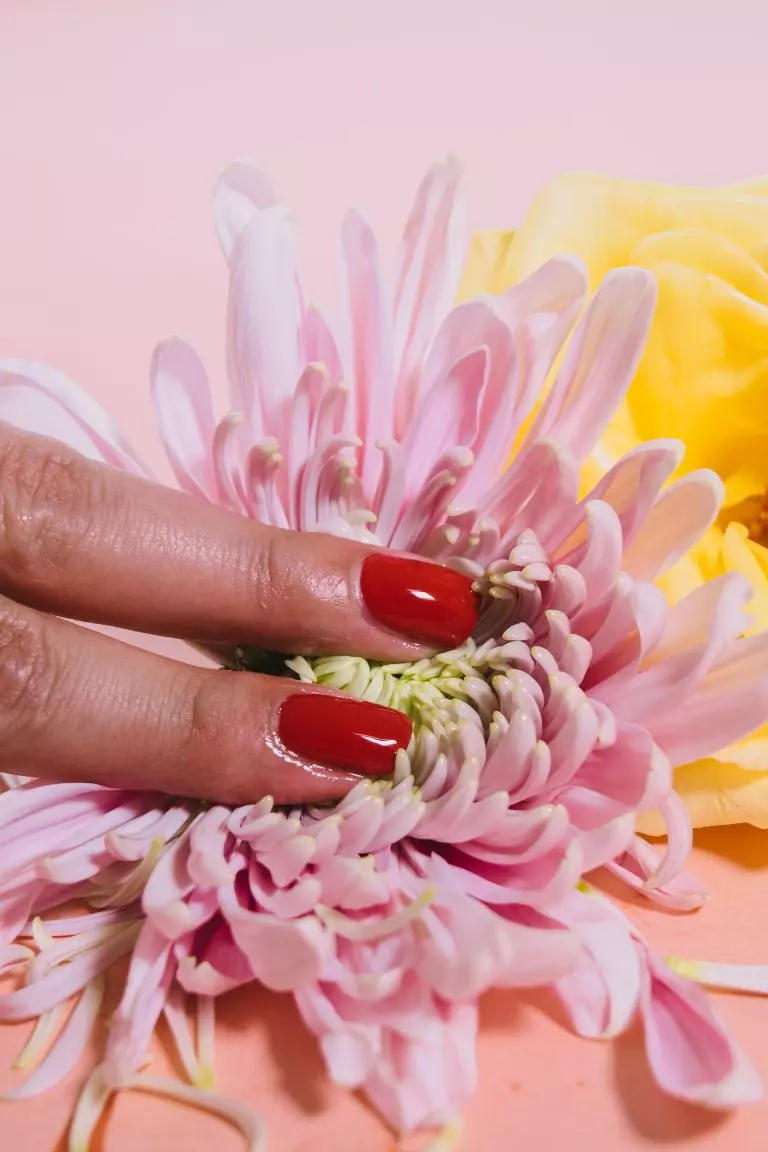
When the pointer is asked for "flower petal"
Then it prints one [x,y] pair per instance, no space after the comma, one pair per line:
[679,517]
[265,314]
[240,192]
[184,414]
[42,400]
[431,256]
[599,363]
[690,1053]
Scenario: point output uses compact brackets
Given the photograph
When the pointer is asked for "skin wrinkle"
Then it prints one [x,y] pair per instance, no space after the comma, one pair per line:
[27,674]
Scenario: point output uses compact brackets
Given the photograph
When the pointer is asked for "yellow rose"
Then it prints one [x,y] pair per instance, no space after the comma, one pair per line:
[703,379]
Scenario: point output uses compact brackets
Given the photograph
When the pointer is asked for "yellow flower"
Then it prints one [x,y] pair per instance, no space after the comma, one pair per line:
[703,379]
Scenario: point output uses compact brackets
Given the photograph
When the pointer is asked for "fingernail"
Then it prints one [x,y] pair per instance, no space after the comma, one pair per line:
[343,733]
[420,600]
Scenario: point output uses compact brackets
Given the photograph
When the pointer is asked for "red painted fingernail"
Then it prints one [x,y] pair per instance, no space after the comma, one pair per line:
[420,600]
[343,733]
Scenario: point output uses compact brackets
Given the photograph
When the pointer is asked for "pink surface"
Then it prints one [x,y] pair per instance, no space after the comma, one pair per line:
[116,120]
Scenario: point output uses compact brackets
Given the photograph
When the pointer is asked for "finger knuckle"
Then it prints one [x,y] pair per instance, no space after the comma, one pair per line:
[49,503]
[267,566]
[28,671]
[218,756]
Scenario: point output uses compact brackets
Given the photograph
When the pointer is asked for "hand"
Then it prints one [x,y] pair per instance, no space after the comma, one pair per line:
[83,541]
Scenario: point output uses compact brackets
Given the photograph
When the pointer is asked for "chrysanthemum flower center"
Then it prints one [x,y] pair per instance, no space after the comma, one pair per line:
[494,715]
[427,691]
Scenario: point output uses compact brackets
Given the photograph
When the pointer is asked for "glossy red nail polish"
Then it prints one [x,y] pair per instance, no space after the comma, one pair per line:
[343,733]
[422,601]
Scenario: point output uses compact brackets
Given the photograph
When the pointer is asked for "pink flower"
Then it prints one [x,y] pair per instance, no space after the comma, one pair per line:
[535,744]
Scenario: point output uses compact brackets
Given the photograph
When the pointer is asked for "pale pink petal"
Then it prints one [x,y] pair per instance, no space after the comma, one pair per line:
[533,491]
[729,703]
[61,983]
[370,341]
[695,633]
[144,994]
[597,559]
[603,992]
[499,415]
[679,842]
[283,954]
[679,517]
[599,363]
[241,191]
[556,292]
[752,978]
[164,897]
[541,309]
[421,1081]
[535,883]
[234,1113]
[42,400]
[612,781]
[447,418]
[265,312]
[640,862]
[601,845]
[431,260]
[690,1053]
[318,344]
[633,484]
[68,1047]
[466,948]
[184,414]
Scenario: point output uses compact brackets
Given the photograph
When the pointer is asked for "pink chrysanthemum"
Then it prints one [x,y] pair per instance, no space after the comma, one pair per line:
[535,744]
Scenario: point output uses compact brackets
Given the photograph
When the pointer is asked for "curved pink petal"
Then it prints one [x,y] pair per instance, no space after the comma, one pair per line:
[64,981]
[447,418]
[318,345]
[421,1080]
[67,1048]
[633,484]
[599,363]
[370,341]
[431,260]
[265,315]
[467,948]
[42,400]
[601,845]
[240,192]
[640,862]
[144,994]
[284,954]
[696,632]
[689,1051]
[542,309]
[612,781]
[602,993]
[728,703]
[677,519]
[184,414]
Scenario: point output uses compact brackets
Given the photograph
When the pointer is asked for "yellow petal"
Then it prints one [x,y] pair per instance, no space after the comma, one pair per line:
[716,793]
[740,554]
[602,219]
[703,377]
[486,264]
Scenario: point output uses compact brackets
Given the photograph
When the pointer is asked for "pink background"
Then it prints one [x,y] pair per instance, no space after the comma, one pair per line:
[115,119]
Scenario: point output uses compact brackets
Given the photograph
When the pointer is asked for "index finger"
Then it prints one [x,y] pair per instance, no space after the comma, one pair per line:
[85,541]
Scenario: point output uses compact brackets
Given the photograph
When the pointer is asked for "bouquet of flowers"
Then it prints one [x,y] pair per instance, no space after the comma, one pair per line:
[475,414]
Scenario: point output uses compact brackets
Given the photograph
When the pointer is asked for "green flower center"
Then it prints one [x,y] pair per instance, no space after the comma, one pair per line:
[431,692]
